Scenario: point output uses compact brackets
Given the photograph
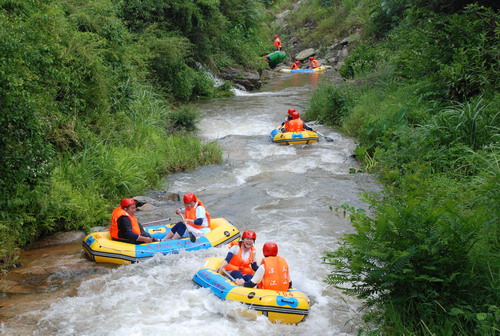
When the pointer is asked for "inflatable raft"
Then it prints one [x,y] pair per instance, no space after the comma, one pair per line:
[100,248]
[275,58]
[293,138]
[282,307]
[321,68]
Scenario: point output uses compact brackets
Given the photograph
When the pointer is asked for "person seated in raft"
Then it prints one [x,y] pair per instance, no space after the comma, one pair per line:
[288,118]
[240,260]
[313,64]
[195,220]
[277,43]
[125,227]
[273,273]
[296,124]
[295,65]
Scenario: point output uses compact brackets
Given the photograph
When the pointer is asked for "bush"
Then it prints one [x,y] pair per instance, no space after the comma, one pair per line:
[420,254]
[183,119]
[458,57]
[362,61]
[329,104]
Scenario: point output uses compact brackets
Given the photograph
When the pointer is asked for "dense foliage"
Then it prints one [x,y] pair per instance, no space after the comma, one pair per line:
[89,98]
[422,98]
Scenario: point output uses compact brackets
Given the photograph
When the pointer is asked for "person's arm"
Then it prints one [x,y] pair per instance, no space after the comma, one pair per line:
[308,128]
[257,277]
[229,256]
[201,215]
[125,227]
[225,261]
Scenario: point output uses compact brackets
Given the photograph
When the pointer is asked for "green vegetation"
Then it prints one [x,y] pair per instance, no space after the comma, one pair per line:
[91,96]
[93,102]
[422,98]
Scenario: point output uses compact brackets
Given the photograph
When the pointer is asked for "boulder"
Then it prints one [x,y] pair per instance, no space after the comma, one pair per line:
[146,207]
[57,239]
[305,54]
[250,80]
[172,197]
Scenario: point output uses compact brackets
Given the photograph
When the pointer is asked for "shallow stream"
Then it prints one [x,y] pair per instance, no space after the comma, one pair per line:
[287,194]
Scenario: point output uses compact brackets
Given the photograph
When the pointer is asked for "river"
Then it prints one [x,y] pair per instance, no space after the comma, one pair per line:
[287,194]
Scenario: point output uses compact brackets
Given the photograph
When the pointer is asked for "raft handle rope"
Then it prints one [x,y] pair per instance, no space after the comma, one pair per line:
[133,250]
[240,294]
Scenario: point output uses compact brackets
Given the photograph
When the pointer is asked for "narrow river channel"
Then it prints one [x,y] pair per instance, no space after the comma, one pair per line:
[284,193]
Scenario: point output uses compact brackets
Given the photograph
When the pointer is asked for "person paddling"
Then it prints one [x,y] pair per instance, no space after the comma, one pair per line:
[195,220]
[313,64]
[296,124]
[240,260]
[273,273]
[295,65]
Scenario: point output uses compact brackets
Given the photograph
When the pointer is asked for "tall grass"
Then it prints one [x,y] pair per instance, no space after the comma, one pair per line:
[426,118]
[330,105]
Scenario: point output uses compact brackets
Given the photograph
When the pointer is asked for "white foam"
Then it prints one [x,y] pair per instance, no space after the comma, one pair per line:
[243,93]
[261,152]
[157,297]
[221,127]
[243,174]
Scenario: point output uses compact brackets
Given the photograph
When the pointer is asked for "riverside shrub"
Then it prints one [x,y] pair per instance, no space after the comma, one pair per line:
[420,253]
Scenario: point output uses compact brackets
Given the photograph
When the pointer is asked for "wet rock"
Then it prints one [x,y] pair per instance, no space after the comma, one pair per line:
[146,207]
[49,268]
[249,79]
[57,239]
[172,197]
[141,200]
[267,74]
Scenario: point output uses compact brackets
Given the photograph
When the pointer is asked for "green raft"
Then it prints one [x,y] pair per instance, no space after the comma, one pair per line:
[275,58]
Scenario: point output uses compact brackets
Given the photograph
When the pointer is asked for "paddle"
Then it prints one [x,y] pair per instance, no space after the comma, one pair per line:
[328,139]
[226,273]
[192,237]
[157,221]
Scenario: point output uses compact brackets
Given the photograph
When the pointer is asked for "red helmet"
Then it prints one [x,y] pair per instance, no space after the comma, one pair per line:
[126,202]
[189,197]
[290,111]
[295,115]
[270,249]
[311,58]
[276,35]
[297,62]
[249,234]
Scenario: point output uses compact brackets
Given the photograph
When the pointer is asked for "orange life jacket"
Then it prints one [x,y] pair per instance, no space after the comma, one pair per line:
[191,214]
[277,43]
[238,264]
[295,125]
[314,64]
[294,66]
[285,125]
[276,275]
[113,228]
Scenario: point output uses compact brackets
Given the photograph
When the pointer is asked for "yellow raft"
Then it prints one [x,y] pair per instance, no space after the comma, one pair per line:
[100,248]
[289,307]
[293,138]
